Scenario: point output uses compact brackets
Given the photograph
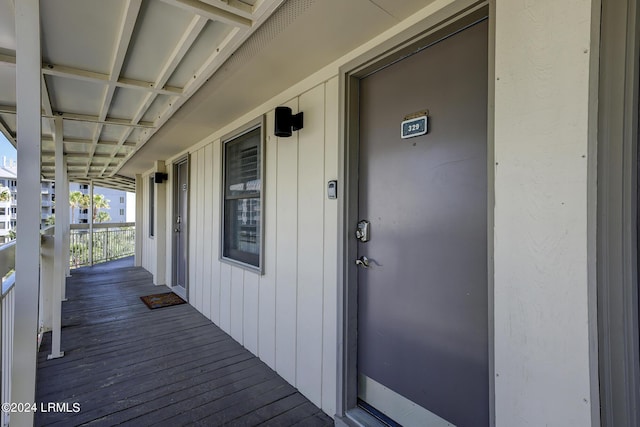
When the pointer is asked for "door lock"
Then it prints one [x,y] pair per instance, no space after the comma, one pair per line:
[363,262]
[362,231]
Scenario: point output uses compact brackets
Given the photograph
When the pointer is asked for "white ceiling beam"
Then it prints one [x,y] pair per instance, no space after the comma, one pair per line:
[213,13]
[125,32]
[92,76]
[234,6]
[262,7]
[190,35]
[95,119]
[215,60]
[9,109]
[234,39]
[46,107]
[4,129]
[70,164]
[81,155]
[9,60]
[47,138]
[46,101]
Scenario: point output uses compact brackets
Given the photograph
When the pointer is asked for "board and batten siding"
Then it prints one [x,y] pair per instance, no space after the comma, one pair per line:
[288,315]
[148,243]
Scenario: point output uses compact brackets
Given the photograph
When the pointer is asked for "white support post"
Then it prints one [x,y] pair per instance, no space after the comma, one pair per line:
[63,216]
[28,66]
[161,226]
[58,251]
[139,213]
[91,223]
[64,210]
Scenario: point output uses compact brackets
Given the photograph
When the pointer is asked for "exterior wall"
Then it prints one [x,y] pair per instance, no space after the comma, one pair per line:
[287,316]
[544,345]
[543,311]
[149,249]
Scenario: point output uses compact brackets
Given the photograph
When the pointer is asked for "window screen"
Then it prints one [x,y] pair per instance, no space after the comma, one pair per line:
[242,232]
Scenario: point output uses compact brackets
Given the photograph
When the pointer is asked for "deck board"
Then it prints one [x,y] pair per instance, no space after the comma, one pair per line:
[128,365]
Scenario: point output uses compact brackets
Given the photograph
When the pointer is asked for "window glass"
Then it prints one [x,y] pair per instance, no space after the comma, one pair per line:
[242,198]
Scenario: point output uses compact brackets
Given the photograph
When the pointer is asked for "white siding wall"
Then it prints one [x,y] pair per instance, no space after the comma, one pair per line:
[542,311]
[542,308]
[287,316]
[148,243]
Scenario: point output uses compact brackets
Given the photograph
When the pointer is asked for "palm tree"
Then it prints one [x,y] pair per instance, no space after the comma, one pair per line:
[99,202]
[51,220]
[103,217]
[75,201]
[5,194]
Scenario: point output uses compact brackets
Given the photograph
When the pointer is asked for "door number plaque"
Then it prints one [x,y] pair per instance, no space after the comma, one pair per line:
[414,127]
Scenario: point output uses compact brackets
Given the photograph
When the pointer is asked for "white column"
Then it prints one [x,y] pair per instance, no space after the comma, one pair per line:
[161,227]
[91,223]
[28,66]
[59,258]
[139,213]
[543,315]
[63,212]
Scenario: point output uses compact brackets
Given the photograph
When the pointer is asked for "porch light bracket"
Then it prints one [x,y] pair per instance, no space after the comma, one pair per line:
[286,122]
[160,177]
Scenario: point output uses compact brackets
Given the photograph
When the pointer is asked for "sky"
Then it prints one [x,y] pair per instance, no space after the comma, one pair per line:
[6,149]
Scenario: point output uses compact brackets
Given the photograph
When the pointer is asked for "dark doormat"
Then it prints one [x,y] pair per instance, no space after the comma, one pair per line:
[162,300]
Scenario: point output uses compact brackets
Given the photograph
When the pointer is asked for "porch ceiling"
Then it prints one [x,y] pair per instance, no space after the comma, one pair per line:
[116,72]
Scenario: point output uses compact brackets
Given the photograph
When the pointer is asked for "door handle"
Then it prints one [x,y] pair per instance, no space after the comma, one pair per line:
[363,262]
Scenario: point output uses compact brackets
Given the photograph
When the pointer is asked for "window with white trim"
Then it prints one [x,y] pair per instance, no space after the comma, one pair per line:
[242,199]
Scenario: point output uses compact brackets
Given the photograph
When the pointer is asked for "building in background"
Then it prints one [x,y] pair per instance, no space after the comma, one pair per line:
[117,200]
[47,204]
[8,181]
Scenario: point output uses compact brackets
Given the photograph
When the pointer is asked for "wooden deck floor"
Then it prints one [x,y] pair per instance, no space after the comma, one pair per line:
[128,365]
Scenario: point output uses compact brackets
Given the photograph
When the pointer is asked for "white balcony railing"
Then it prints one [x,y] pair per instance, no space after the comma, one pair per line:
[7,307]
[110,241]
[7,264]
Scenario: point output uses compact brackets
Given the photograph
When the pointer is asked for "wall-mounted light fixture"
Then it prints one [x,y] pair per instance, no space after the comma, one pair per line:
[286,122]
[160,177]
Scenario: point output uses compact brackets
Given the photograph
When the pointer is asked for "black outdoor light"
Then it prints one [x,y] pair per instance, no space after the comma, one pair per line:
[286,122]
[160,177]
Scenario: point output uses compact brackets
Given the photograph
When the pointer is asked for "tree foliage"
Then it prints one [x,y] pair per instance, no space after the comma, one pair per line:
[82,201]
[103,217]
[5,194]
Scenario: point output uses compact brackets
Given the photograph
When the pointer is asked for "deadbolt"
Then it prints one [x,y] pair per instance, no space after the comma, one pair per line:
[363,231]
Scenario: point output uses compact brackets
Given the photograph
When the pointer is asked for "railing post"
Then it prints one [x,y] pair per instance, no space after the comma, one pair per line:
[91,222]
[105,245]
[63,214]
